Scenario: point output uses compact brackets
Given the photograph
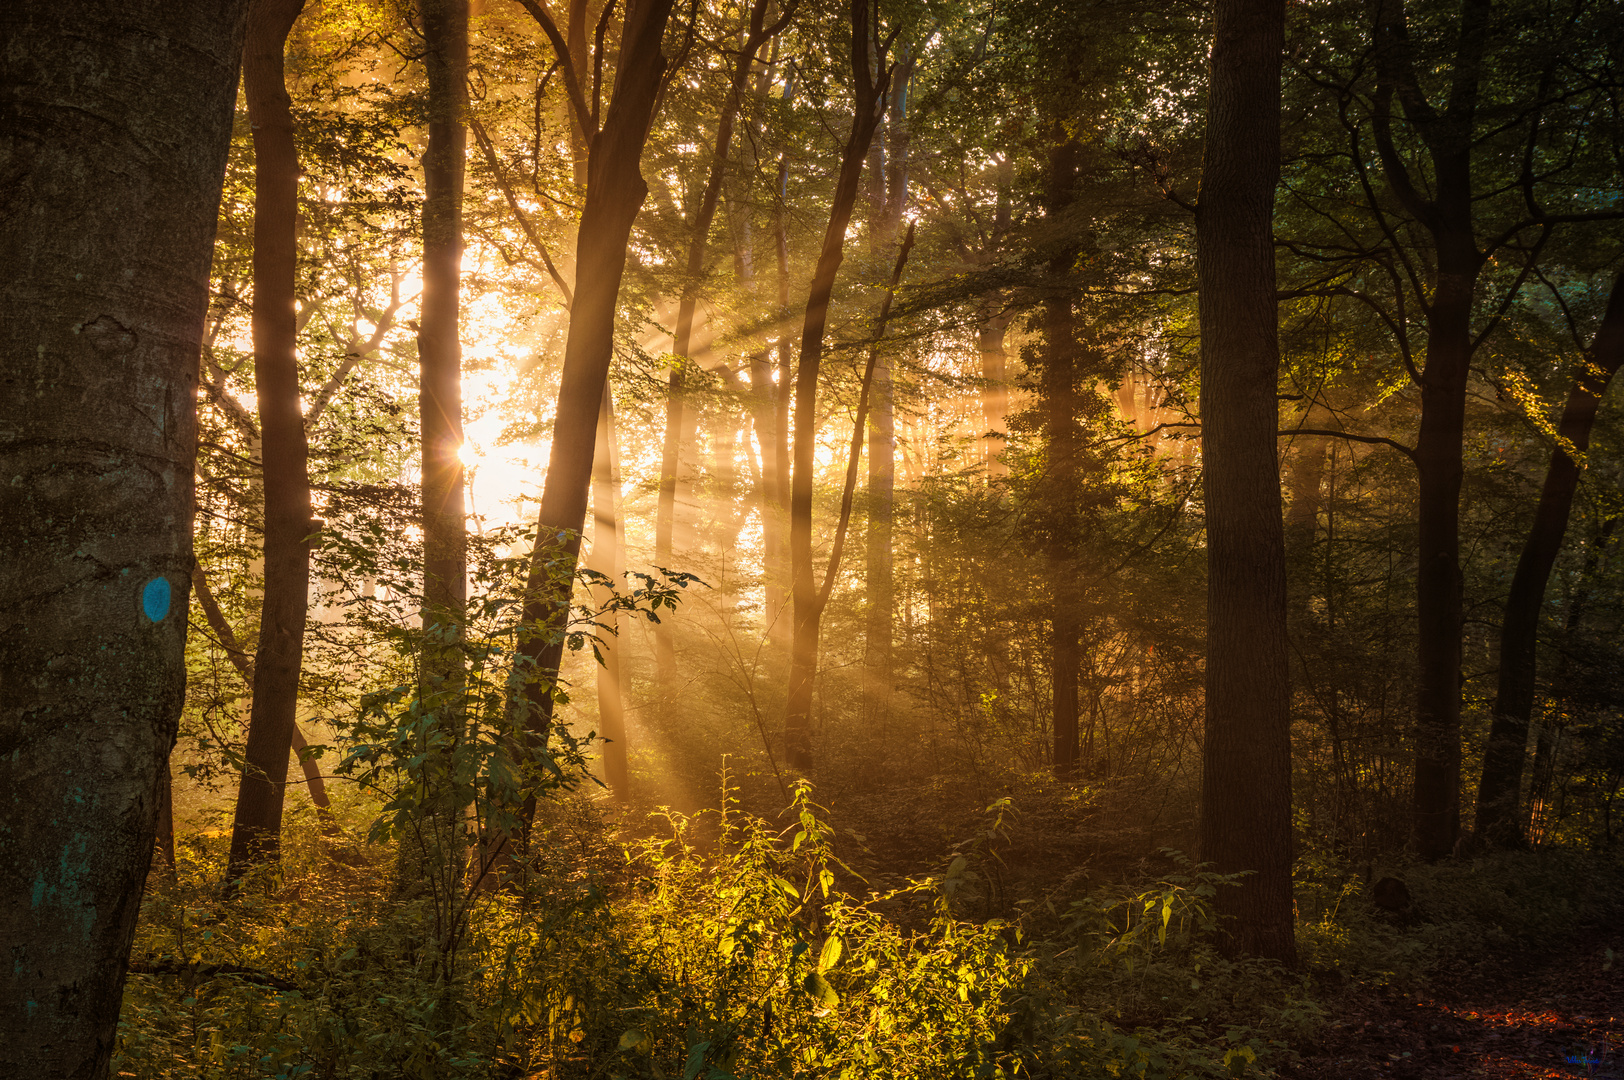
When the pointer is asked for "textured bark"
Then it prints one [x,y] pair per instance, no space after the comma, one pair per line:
[608,557]
[870,97]
[256,826]
[114,126]
[614,195]
[1499,820]
[439,348]
[1246,754]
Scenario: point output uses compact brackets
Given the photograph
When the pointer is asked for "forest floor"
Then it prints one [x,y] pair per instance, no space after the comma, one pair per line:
[1519,1016]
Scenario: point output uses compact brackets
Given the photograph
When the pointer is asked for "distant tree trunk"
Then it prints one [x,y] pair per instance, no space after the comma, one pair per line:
[314,782]
[699,224]
[990,342]
[1550,729]
[1246,759]
[1500,790]
[994,391]
[764,412]
[257,824]
[614,195]
[880,576]
[1304,475]
[608,558]
[776,560]
[439,347]
[1062,477]
[870,98]
[115,121]
[165,845]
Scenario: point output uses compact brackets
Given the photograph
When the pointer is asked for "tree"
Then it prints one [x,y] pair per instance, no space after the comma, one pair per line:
[1499,820]
[114,127]
[1246,755]
[439,348]
[808,600]
[1464,142]
[614,195]
[699,228]
[257,821]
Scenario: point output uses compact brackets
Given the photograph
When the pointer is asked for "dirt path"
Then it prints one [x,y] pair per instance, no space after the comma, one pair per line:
[1524,1017]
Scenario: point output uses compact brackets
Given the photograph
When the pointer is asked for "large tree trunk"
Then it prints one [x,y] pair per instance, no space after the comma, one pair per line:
[114,126]
[256,827]
[1246,758]
[614,195]
[608,558]
[870,97]
[1499,792]
[439,348]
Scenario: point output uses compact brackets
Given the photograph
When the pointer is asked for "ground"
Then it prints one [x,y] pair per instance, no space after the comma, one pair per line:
[1517,1017]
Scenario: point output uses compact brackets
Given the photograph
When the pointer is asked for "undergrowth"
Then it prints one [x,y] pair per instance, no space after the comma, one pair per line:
[724,945]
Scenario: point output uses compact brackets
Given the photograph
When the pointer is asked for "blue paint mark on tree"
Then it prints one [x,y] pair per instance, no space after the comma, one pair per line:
[155,599]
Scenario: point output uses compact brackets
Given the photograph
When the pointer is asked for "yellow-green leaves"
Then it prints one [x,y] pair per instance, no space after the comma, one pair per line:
[818,988]
[830,956]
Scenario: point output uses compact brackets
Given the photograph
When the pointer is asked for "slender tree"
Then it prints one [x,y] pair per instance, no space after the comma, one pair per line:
[1500,789]
[879,570]
[1246,755]
[114,127]
[614,195]
[699,228]
[257,821]
[869,103]
[609,559]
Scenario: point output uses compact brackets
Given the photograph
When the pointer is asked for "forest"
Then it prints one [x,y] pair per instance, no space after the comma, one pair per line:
[732,539]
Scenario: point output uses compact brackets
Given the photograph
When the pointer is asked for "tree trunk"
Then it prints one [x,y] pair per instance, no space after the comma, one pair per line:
[994,392]
[776,560]
[1500,790]
[1551,728]
[609,559]
[699,225]
[1447,216]
[257,824]
[870,96]
[165,846]
[1246,756]
[614,195]
[113,138]
[439,348]
[880,576]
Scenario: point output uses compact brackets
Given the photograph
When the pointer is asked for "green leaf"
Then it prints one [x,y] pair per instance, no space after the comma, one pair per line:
[821,992]
[830,956]
[632,1039]
[696,1061]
